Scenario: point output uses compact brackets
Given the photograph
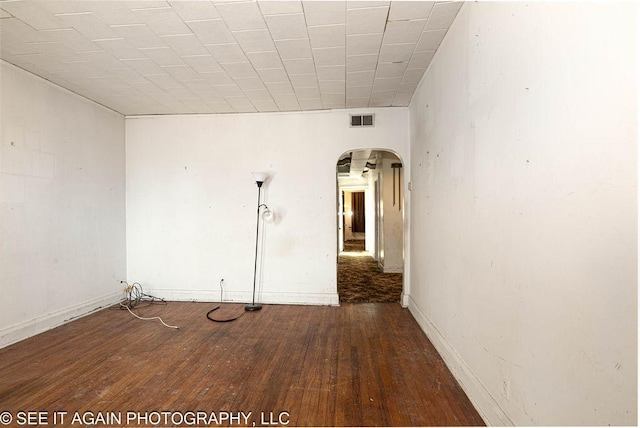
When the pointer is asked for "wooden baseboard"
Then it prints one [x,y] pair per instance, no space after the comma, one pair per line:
[319,299]
[482,400]
[18,332]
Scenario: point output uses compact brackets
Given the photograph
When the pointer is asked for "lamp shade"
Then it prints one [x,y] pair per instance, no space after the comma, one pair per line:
[260,177]
[268,216]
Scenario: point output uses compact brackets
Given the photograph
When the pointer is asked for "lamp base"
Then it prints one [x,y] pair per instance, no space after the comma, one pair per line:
[252,308]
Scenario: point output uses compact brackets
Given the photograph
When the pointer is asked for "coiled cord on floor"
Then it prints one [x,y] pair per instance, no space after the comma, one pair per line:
[210,317]
[135,296]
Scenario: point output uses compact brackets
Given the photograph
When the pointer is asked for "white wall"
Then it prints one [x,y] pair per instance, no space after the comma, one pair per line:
[391,256]
[191,201]
[62,205]
[524,208]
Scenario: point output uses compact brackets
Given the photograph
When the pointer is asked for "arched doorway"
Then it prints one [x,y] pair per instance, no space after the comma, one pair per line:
[370,235]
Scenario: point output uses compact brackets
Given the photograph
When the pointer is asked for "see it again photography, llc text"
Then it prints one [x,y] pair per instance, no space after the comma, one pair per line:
[154,418]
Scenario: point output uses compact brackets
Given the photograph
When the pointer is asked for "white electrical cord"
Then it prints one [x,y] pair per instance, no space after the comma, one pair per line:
[148,319]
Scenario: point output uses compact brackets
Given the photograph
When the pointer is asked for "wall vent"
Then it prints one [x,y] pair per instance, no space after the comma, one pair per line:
[359,120]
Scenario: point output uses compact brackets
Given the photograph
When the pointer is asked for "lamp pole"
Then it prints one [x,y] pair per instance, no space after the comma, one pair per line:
[260,179]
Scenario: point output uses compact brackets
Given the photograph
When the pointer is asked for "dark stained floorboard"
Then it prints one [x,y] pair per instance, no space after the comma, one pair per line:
[353,365]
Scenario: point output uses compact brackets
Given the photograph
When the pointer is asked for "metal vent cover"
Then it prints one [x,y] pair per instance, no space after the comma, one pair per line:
[361,120]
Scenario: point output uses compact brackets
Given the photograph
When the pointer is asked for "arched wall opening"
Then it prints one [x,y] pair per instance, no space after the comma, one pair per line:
[376,178]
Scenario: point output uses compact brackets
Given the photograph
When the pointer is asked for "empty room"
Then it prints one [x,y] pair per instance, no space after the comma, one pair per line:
[318,213]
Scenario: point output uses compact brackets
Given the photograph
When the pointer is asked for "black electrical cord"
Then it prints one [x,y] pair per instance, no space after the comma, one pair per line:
[210,317]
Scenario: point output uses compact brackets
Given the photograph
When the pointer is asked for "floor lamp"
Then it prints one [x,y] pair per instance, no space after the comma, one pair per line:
[260,177]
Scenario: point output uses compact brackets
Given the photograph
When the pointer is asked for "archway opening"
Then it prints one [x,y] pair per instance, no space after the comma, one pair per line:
[370,232]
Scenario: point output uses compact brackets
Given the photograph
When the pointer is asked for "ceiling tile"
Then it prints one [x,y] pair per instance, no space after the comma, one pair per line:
[366,20]
[382,98]
[396,52]
[36,17]
[162,56]
[279,88]
[70,38]
[241,104]
[331,72]
[329,56]
[265,60]
[406,10]
[287,26]
[413,75]
[222,107]
[229,90]
[443,15]
[359,91]
[260,94]
[333,100]
[189,10]
[407,88]
[421,59]
[332,86]
[179,56]
[119,48]
[164,81]
[362,62]
[202,63]
[211,31]
[126,74]
[361,78]
[186,44]
[353,102]
[113,12]
[241,15]
[138,35]
[144,66]
[303,80]
[391,69]
[361,4]
[273,75]
[278,7]
[327,36]
[386,84]
[54,7]
[430,40]
[87,24]
[227,53]
[162,21]
[363,44]
[311,104]
[218,78]
[254,40]
[324,12]
[286,101]
[294,48]
[403,31]
[250,83]
[240,70]
[265,106]
[181,72]
[401,100]
[309,92]
[299,66]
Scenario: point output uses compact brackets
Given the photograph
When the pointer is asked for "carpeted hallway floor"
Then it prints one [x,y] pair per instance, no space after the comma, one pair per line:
[361,281]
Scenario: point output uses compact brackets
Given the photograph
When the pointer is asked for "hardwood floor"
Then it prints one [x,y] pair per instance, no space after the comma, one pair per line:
[353,365]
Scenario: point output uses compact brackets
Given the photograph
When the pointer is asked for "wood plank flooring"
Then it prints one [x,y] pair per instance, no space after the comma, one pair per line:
[353,365]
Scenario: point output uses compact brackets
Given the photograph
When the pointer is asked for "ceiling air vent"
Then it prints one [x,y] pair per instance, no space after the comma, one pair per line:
[358,120]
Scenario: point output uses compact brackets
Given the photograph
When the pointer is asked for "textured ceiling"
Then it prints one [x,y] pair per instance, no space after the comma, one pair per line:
[184,56]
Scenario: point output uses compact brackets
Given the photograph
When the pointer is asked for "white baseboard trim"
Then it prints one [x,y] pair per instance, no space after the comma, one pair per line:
[319,299]
[18,332]
[404,300]
[482,400]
